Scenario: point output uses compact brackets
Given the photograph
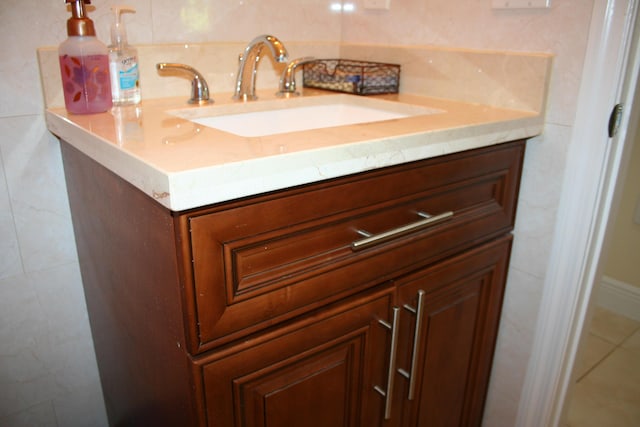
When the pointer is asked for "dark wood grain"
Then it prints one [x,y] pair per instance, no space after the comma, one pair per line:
[127,252]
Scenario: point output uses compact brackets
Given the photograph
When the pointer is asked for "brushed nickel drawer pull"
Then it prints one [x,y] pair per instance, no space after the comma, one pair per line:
[388,394]
[375,239]
[364,233]
[411,375]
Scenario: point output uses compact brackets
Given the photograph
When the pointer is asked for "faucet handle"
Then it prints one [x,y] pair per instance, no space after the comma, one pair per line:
[199,87]
[288,78]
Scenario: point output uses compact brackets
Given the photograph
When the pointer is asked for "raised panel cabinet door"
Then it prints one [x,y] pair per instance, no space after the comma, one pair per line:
[451,313]
[318,372]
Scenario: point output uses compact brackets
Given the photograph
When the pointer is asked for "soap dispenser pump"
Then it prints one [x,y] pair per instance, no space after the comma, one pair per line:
[84,65]
[123,62]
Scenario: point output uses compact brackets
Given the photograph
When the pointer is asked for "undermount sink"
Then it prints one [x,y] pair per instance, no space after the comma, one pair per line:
[279,116]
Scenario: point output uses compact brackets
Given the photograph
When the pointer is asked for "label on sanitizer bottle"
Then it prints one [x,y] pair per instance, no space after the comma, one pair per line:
[125,76]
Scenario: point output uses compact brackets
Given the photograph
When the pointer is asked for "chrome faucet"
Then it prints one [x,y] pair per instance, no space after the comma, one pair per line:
[246,79]
[288,78]
[199,87]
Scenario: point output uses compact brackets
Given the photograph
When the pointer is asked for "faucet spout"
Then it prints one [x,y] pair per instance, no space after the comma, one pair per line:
[246,79]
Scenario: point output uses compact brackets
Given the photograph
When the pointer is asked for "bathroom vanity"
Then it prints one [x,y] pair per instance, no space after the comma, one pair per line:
[366,299]
[274,310]
[350,275]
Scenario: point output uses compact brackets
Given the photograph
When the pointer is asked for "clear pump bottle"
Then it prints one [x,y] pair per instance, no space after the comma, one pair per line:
[123,62]
[84,65]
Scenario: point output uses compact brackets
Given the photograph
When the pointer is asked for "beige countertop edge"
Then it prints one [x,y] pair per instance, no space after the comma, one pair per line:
[366,148]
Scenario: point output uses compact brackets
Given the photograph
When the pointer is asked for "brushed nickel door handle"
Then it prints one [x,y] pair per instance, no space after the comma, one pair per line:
[388,393]
[418,311]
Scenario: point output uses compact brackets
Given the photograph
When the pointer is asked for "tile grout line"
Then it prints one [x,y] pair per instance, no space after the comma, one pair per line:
[609,353]
[598,363]
[628,337]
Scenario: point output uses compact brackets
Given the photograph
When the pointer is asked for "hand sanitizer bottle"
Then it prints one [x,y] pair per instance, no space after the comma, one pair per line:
[123,62]
[84,65]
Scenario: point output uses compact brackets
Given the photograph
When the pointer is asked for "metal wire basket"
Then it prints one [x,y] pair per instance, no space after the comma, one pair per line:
[357,77]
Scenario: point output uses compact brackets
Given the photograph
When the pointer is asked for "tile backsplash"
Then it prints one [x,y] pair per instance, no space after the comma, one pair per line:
[515,80]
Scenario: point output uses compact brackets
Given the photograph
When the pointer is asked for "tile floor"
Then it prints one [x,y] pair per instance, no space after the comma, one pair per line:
[607,392]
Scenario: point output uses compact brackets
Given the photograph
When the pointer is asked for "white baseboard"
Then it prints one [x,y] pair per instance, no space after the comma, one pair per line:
[619,297]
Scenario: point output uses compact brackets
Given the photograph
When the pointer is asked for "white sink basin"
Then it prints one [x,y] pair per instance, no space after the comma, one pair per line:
[262,118]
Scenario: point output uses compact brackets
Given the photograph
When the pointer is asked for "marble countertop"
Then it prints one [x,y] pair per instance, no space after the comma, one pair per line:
[185,165]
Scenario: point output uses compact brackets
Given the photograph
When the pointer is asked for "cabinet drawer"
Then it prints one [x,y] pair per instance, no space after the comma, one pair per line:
[255,262]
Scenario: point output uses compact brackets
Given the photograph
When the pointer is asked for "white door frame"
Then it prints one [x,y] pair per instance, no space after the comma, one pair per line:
[593,164]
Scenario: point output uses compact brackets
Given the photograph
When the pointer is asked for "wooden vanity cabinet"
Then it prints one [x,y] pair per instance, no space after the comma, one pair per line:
[278,310]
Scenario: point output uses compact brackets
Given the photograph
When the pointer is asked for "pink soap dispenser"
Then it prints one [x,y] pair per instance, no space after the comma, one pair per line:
[84,65]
